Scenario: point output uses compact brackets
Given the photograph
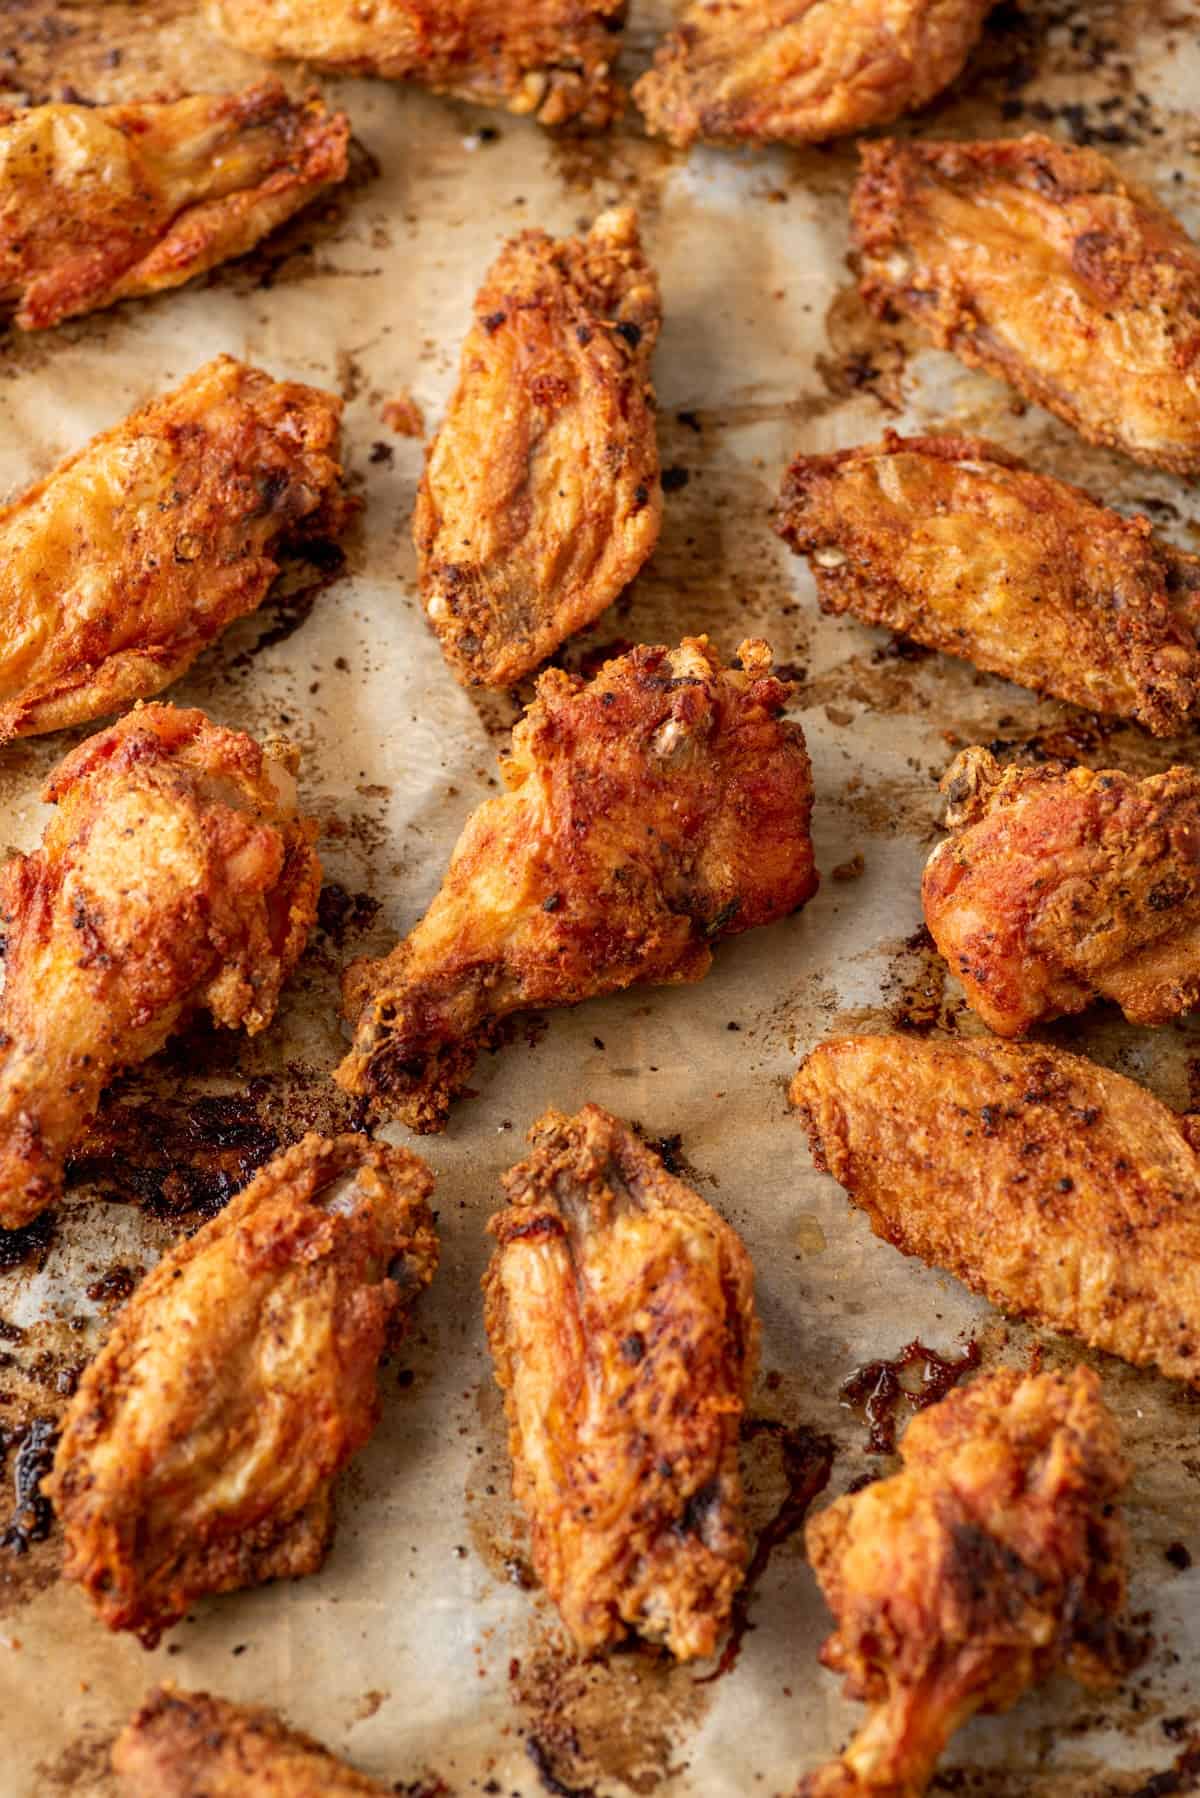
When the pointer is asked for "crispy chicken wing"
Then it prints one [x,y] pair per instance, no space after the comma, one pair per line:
[200,1450]
[1062,885]
[175,877]
[136,553]
[995,1557]
[99,203]
[962,547]
[620,1312]
[1040,263]
[192,1745]
[1063,1192]
[550,58]
[803,71]
[541,496]
[649,812]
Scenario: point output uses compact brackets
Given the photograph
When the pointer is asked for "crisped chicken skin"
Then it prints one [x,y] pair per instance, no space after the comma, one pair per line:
[1042,264]
[200,1451]
[1062,885]
[960,546]
[541,497]
[549,58]
[994,1558]
[620,1312]
[649,812]
[136,553]
[803,71]
[100,203]
[193,1745]
[175,877]
[1061,1191]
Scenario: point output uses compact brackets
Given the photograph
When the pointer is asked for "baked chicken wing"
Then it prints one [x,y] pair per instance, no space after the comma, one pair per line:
[541,496]
[549,58]
[1061,885]
[995,1557]
[199,1453]
[136,553]
[960,546]
[1061,1191]
[192,1745]
[1042,264]
[803,71]
[100,203]
[649,812]
[175,877]
[620,1312]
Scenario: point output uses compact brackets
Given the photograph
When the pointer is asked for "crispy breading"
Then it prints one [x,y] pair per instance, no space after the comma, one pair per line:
[994,1558]
[620,1312]
[649,812]
[175,877]
[100,203]
[1042,264]
[802,71]
[1063,1192]
[193,1745]
[136,553]
[549,58]
[199,1453]
[1062,885]
[541,497]
[960,546]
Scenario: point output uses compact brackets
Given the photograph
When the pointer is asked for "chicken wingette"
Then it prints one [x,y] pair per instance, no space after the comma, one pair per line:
[199,1453]
[102,203]
[1042,264]
[995,1557]
[1061,1191]
[175,877]
[541,496]
[620,1312]
[649,812]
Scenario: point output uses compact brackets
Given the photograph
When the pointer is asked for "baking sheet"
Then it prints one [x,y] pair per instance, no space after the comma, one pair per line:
[420,1652]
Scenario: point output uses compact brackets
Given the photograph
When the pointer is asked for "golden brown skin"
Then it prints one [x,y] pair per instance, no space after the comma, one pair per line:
[552,59]
[100,203]
[1063,1192]
[1062,885]
[175,878]
[200,1451]
[1042,264]
[620,1312]
[138,551]
[193,1745]
[994,1558]
[802,71]
[960,546]
[541,496]
[649,812]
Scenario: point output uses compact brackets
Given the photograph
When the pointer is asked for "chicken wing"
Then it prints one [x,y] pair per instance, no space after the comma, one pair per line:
[803,71]
[136,553]
[99,203]
[192,1745]
[962,547]
[620,1312]
[541,496]
[995,1557]
[549,58]
[1061,1191]
[649,812]
[175,877]
[1042,264]
[1062,885]
[200,1451]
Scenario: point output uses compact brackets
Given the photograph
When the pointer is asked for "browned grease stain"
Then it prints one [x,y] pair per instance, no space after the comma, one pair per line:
[39,1370]
[81,1768]
[916,1377]
[866,355]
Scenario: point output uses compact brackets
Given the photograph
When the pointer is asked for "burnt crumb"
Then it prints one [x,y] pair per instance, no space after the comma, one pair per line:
[382,452]
[1178,1555]
[30,1244]
[673,479]
[668,1149]
[690,421]
[31,1451]
[291,602]
[877,1390]
[854,869]
[115,1286]
[341,914]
